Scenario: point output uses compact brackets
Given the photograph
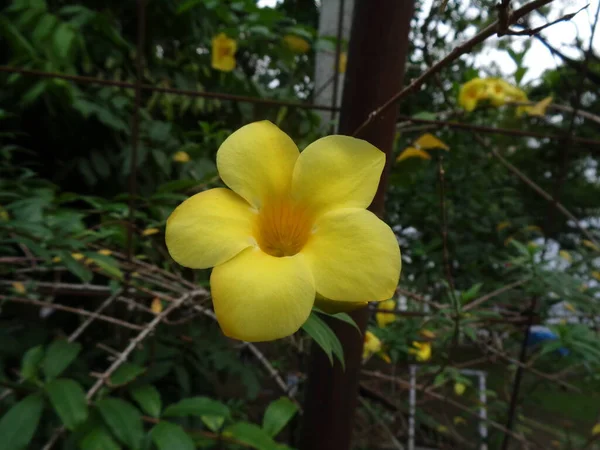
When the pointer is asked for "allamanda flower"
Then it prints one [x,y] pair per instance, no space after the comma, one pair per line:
[223,53]
[383,318]
[471,92]
[422,350]
[372,345]
[293,225]
[296,43]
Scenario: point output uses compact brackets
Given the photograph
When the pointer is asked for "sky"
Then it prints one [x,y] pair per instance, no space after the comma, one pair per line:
[538,58]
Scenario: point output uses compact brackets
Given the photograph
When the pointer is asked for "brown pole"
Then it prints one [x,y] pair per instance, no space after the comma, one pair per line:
[377,56]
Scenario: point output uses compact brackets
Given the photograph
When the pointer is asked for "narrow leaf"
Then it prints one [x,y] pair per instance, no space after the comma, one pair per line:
[197,406]
[250,434]
[31,362]
[98,439]
[126,373]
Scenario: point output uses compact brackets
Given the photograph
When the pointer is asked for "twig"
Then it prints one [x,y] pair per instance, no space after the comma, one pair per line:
[454,54]
[493,294]
[535,31]
[383,425]
[93,316]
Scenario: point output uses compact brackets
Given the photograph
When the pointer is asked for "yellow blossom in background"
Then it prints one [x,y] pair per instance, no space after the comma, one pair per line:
[296,43]
[223,53]
[56,259]
[181,157]
[422,351]
[459,420]
[150,231]
[442,429]
[459,388]
[105,252]
[565,255]
[156,306]
[291,226]
[343,62]
[371,345]
[411,152]
[429,142]
[596,429]
[590,245]
[4,214]
[534,228]
[539,109]
[596,274]
[502,225]
[19,287]
[470,93]
[427,334]
[382,318]
[77,256]
[569,307]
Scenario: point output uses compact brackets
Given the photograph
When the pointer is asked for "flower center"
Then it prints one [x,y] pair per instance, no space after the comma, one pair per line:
[283,228]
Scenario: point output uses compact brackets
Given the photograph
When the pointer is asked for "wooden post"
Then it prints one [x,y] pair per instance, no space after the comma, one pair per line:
[377,56]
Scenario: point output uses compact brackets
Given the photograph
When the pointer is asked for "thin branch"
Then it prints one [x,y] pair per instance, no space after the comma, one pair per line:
[534,31]
[454,54]
[493,294]
[93,316]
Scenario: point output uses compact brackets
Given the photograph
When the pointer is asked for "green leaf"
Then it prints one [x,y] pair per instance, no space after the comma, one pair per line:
[277,415]
[425,115]
[108,264]
[123,419]
[325,338]
[148,398]
[168,436]
[60,354]
[197,406]
[76,268]
[187,5]
[69,402]
[31,361]
[18,425]
[64,36]
[16,38]
[344,317]
[98,439]
[126,373]
[250,434]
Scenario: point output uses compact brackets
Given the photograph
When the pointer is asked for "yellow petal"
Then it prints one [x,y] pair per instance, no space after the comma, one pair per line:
[565,255]
[385,357]
[596,429]
[56,259]
[156,306]
[105,252]
[19,287]
[427,334]
[502,225]
[150,231]
[77,256]
[471,92]
[333,307]
[209,228]
[371,345]
[296,43]
[429,141]
[459,420]
[590,244]
[181,157]
[337,172]
[225,64]
[223,51]
[257,161]
[539,109]
[382,318]
[259,297]
[354,256]
[411,152]
[569,307]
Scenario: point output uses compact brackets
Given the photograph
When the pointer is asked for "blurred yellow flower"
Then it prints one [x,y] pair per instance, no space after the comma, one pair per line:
[150,231]
[459,388]
[569,307]
[470,93]
[296,43]
[422,351]
[372,345]
[565,255]
[223,53]
[442,429]
[596,274]
[181,157]
[4,214]
[19,287]
[539,109]
[428,334]
[496,90]
[411,152]
[77,256]
[293,225]
[105,252]
[156,306]
[382,318]
[459,420]
[429,142]
[56,259]
[590,245]
[343,62]
[596,429]
[502,225]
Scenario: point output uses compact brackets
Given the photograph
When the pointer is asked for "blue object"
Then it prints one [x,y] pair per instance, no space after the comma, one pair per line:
[539,333]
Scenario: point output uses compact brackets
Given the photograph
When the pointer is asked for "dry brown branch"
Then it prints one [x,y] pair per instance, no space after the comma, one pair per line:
[93,316]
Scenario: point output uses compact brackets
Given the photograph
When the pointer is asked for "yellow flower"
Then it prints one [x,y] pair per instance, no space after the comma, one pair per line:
[422,351]
[296,44]
[371,346]
[442,429]
[56,259]
[156,306]
[596,429]
[428,142]
[502,225]
[590,245]
[427,334]
[293,225]
[471,92]
[77,256]
[181,157]
[343,62]
[19,287]
[223,53]
[105,252]
[382,318]
[150,231]
[534,228]
[565,255]
[596,274]
[499,92]
[411,152]
[4,214]
[569,307]
[459,388]
[539,109]
[459,420]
